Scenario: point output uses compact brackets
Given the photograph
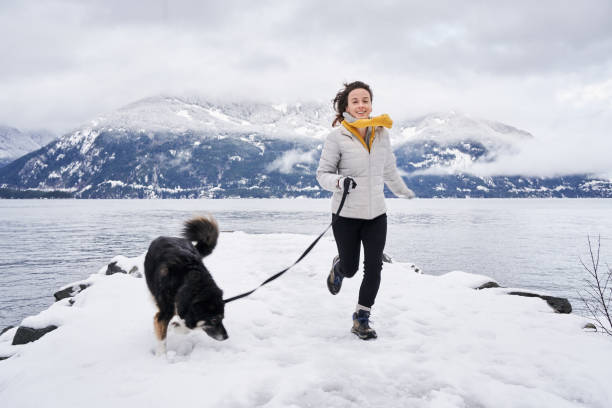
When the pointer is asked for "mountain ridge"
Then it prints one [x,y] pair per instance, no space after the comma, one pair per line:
[170,147]
[14,143]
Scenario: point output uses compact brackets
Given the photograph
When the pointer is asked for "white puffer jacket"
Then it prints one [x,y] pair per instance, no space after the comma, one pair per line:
[344,155]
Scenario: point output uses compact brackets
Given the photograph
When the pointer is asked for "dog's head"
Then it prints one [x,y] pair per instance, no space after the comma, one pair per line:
[204,310]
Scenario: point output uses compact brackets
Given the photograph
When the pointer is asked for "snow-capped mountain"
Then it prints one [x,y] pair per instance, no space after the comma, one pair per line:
[179,147]
[15,143]
[171,147]
[453,142]
[180,115]
[438,152]
[449,127]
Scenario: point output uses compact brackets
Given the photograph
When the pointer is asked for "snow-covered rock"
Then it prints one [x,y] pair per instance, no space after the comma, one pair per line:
[25,335]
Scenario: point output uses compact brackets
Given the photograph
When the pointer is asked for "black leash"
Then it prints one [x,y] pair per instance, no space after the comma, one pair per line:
[348,183]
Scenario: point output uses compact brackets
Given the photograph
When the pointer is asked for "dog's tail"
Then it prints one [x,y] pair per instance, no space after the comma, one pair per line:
[203,230]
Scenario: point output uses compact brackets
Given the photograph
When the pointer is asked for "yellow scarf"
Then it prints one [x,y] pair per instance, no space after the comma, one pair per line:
[382,120]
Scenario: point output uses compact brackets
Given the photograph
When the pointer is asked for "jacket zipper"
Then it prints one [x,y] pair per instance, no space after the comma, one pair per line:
[370,174]
[369,153]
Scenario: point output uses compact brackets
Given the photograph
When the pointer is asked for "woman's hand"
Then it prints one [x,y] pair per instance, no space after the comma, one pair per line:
[409,194]
[346,183]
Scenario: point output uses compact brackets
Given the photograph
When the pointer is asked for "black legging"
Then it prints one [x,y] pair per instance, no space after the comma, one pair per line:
[349,234]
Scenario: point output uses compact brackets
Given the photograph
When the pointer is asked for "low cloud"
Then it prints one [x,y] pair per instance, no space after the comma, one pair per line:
[543,159]
[539,158]
[285,164]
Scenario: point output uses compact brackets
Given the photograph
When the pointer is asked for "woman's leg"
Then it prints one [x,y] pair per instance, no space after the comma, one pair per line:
[373,236]
[348,241]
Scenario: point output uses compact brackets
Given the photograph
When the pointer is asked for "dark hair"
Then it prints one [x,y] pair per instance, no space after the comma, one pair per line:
[341,99]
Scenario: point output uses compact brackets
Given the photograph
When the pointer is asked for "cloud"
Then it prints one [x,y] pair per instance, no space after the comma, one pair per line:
[597,94]
[541,159]
[285,164]
[541,66]
[537,158]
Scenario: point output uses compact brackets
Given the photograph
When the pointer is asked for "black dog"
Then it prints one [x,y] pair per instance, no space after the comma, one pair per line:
[181,284]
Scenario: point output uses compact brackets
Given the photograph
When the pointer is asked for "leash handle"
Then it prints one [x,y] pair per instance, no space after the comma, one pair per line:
[348,183]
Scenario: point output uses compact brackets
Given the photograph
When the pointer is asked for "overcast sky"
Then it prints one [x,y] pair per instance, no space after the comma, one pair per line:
[542,66]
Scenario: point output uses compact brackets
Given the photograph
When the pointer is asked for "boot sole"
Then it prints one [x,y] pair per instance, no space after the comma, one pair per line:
[368,336]
[330,287]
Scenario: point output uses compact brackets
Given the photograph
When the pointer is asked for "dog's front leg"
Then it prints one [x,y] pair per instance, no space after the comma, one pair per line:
[161,330]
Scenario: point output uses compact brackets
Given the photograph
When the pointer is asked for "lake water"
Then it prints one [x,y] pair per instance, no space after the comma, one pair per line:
[528,243]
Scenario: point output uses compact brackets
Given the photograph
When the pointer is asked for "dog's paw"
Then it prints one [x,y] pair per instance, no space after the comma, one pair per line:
[171,356]
[160,350]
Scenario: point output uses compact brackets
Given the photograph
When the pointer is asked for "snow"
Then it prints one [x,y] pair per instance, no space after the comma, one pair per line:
[183,113]
[215,113]
[449,127]
[114,183]
[87,139]
[282,107]
[440,187]
[593,185]
[15,143]
[441,343]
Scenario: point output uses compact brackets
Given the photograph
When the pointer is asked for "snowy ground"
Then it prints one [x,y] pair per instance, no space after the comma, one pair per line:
[441,343]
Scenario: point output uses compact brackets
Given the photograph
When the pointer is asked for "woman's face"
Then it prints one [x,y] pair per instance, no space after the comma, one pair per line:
[359,103]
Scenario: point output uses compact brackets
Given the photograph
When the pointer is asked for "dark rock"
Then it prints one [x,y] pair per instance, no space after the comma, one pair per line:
[114,268]
[70,291]
[386,258]
[488,285]
[559,305]
[4,357]
[6,329]
[590,326]
[415,268]
[26,335]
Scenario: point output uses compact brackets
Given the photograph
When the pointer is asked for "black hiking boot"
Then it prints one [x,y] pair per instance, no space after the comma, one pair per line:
[361,325]
[334,280]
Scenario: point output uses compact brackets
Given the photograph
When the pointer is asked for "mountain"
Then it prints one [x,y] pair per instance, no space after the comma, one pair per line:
[437,152]
[453,141]
[15,143]
[169,147]
[181,115]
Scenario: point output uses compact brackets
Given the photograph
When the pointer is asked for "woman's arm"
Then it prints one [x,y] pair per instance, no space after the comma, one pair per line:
[392,176]
[327,173]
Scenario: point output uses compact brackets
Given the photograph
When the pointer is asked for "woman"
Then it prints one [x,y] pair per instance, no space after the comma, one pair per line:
[358,153]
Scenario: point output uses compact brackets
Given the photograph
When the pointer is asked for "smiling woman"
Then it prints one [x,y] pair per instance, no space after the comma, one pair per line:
[358,156]
[355,99]
[359,103]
